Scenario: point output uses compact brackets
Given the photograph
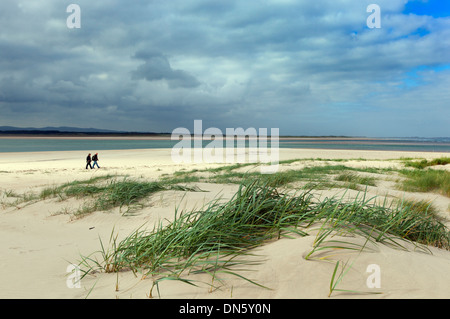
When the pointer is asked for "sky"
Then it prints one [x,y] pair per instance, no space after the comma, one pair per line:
[304,67]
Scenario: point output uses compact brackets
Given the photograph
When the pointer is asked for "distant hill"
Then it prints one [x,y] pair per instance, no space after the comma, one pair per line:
[63,129]
[69,131]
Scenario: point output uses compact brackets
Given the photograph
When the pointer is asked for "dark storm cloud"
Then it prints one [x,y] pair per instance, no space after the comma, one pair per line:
[157,67]
[307,67]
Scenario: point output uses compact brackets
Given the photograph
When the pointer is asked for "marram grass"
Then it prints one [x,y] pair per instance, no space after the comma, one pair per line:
[426,180]
[113,192]
[421,164]
[215,239]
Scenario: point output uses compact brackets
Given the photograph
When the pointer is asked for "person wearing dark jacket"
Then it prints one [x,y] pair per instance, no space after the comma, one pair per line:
[88,161]
[95,159]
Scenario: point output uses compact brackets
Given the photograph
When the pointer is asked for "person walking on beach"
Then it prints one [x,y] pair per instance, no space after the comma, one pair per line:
[88,161]
[95,159]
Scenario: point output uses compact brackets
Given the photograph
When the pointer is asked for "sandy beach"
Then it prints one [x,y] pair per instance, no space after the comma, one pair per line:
[40,238]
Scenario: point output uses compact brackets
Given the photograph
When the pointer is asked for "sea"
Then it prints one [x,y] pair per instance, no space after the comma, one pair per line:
[417,144]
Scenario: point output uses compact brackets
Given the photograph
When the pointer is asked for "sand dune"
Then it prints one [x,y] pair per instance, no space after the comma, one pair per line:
[39,241]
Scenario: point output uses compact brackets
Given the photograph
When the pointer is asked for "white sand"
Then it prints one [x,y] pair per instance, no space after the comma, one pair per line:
[38,242]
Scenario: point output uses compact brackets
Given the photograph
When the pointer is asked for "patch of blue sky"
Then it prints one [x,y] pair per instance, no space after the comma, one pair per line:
[436,68]
[414,78]
[421,32]
[433,8]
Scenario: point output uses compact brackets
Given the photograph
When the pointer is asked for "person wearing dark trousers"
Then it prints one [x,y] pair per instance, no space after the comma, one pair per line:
[95,159]
[88,161]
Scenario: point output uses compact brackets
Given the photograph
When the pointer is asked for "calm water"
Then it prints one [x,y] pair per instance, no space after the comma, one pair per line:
[390,144]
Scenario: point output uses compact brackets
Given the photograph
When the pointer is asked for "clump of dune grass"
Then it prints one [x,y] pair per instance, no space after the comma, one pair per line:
[310,175]
[422,207]
[17,200]
[113,192]
[10,193]
[425,163]
[235,174]
[353,180]
[75,188]
[427,180]
[219,230]
[213,240]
